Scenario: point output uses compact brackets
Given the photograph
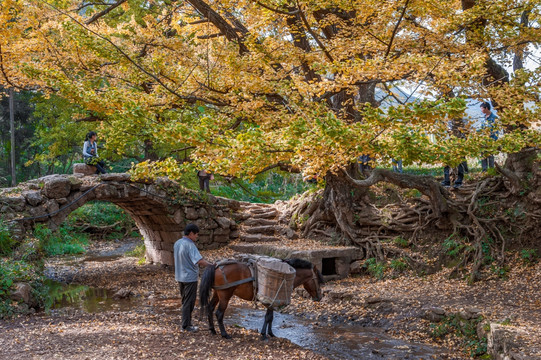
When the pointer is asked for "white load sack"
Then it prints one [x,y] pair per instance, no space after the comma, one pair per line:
[274,282]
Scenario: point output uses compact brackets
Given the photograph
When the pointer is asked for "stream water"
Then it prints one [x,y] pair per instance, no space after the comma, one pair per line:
[335,341]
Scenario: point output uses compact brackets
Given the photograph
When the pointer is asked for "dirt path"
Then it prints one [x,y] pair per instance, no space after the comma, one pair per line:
[395,305]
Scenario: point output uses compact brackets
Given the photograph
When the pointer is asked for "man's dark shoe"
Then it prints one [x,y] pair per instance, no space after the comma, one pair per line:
[457,186]
[445,184]
[190,329]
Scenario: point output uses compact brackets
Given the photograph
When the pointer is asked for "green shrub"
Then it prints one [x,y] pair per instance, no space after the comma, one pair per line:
[375,268]
[63,241]
[465,329]
[487,251]
[7,243]
[453,246]
[399,265]
[400,241]
[12,272]
[529,256]
[138,252]
[500,271]
[100,214]
[116,221]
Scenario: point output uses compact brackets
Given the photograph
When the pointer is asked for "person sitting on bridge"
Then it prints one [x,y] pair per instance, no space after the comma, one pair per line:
[187,259]
[90,153]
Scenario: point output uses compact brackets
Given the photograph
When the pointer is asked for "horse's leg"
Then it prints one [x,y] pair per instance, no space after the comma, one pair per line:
[210,312]
[267,325]
[220,316]
[269,320]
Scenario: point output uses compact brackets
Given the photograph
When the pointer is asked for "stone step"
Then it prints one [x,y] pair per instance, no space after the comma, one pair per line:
[244,248]
[253,248]
[250,238]
[260,222]
[265,215]
[261,210]
[266,229]
[257,206]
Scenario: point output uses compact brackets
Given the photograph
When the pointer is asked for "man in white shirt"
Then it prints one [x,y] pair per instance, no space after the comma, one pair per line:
[187,263]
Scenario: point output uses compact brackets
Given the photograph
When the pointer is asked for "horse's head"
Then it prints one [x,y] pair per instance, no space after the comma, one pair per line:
[308,276]
[313,284]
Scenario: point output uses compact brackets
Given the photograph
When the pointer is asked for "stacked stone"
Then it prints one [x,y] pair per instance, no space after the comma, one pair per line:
[37,198]
[160,218]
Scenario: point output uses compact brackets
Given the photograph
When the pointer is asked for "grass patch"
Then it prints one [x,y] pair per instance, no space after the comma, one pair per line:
[266,188]
[138,252]
[63,241]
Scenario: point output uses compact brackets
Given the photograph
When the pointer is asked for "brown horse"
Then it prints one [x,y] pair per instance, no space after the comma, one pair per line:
[241,283]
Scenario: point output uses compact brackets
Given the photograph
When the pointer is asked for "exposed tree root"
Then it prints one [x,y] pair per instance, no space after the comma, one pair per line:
[104,230]
[485,216]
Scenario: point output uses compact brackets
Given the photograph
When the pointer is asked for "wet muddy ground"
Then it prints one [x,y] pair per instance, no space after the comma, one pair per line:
[357,319]
[334,341]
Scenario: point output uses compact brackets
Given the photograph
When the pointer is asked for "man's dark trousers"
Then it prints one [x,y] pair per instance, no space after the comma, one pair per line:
[460,176]
[188,293]
[488,162]
[204,183]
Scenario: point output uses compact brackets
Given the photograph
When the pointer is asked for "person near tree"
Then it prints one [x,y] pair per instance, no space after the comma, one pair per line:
[204,177]
[397,165]
[187,262]
[456,127]
[488,123]
[90,153]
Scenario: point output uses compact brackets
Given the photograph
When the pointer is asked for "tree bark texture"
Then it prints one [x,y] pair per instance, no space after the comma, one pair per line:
[12,129]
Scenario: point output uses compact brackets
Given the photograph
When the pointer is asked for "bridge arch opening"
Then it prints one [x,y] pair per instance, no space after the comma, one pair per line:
[102,220]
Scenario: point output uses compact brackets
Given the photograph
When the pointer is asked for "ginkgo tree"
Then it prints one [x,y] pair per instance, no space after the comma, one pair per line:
[306,86]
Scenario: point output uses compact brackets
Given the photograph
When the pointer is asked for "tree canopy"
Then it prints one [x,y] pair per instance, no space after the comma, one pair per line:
[245,86]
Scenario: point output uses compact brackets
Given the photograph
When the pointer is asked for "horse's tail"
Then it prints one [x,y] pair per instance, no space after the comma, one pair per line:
[207,282]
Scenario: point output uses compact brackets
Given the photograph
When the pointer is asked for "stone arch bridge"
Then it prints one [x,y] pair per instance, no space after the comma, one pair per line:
[161,209]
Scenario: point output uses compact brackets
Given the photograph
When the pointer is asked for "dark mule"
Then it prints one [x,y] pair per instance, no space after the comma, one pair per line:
[240,283]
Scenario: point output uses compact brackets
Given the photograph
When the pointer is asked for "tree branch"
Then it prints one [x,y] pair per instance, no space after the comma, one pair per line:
[314,35]
[104,12]
[277,10]
[91,118]
[395,30]
[189,98]
[211,36]
[425,184]
[218,21]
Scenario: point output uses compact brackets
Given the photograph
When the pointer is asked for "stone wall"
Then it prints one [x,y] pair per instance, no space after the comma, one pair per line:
[160,209]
